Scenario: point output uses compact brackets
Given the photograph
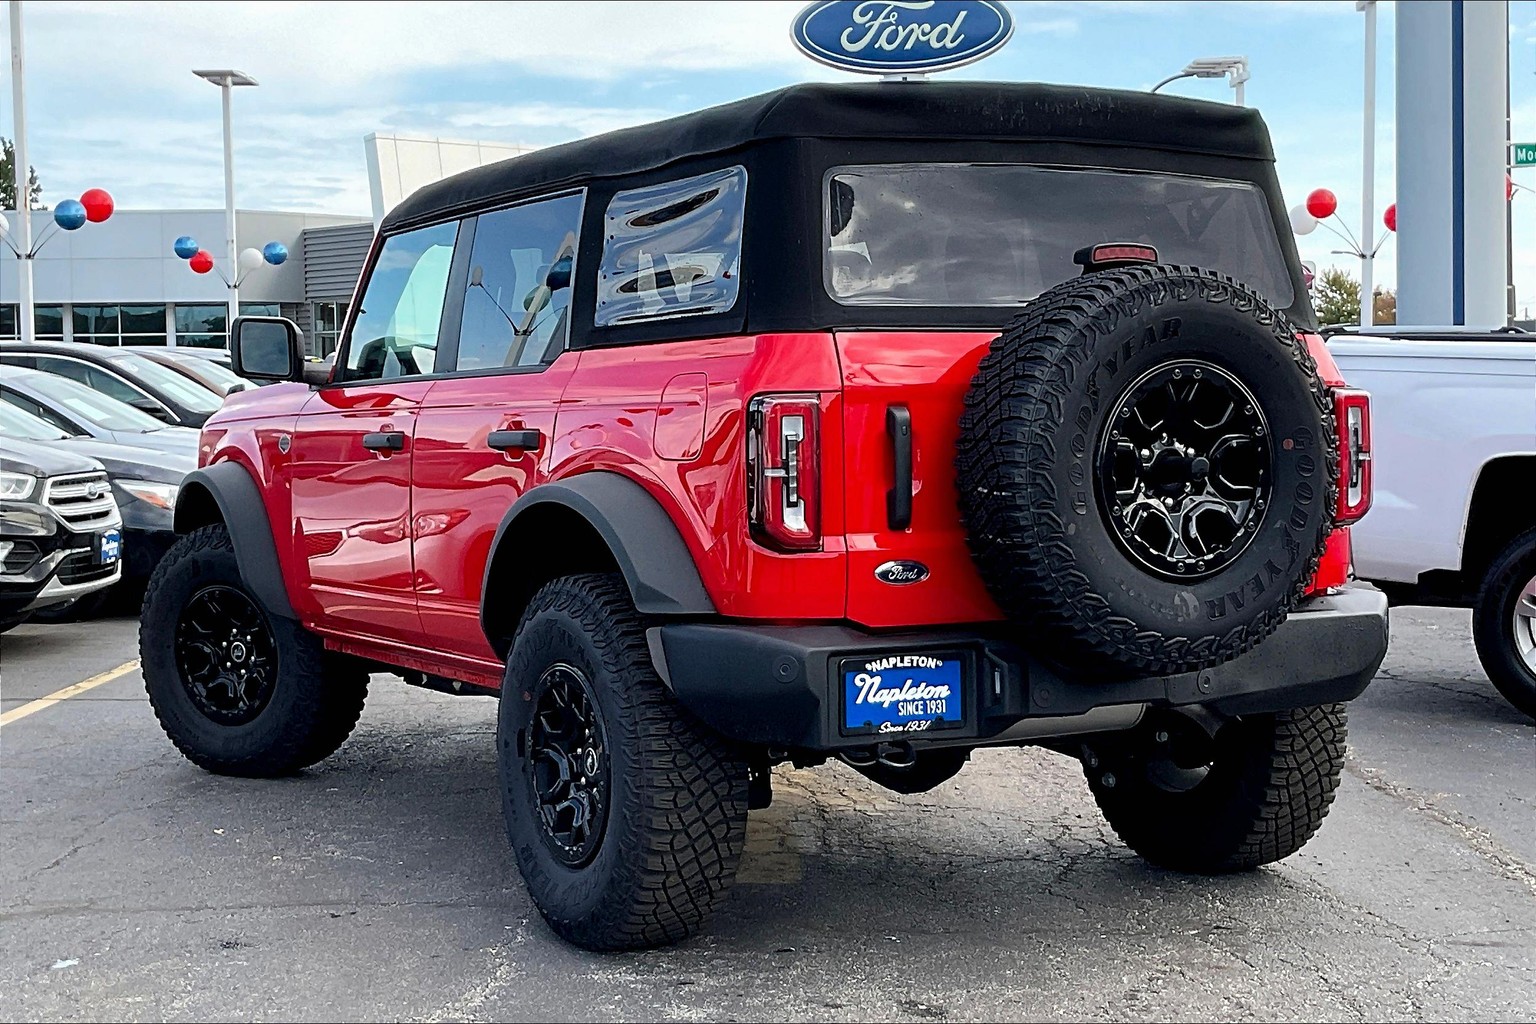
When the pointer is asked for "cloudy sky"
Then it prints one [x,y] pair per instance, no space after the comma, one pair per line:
[112,101]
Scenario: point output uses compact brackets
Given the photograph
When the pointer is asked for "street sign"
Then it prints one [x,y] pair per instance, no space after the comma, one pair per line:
[1525,154]
[901,37]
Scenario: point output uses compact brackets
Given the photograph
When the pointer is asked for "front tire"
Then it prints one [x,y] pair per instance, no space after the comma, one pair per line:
[1252,795]
[1504,623]
[237,690]
[627,816]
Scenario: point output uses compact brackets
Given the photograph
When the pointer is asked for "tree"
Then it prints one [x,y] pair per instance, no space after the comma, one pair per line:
[8,180]
[1337,297]
[1384,305]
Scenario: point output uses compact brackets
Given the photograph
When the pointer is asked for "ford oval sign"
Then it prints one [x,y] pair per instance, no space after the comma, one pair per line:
[901,573]
[901,37]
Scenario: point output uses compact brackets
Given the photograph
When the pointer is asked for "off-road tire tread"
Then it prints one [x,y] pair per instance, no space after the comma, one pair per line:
[1261,814]
[332,688]
[1008,444]
[678,861]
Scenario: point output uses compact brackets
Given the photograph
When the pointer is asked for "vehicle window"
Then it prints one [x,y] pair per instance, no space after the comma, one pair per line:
[997,235]
[672,249]
[395,333]
[518,295]
[23,426]
[210,370]
[80,401]
[166,381]
[92,377]
[30,407]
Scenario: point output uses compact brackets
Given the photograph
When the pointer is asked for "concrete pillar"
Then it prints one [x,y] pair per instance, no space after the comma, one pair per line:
[1452,233]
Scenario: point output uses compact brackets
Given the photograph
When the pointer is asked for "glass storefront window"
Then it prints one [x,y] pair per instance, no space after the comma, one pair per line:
[92,320]
[48,322]
[144,320]
[9,318]
[202,319]
[261,309]
[328,319]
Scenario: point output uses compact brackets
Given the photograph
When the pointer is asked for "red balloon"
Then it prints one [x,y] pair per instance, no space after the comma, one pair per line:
[1321,203]
[98,204]
[1390,217]
[201,261]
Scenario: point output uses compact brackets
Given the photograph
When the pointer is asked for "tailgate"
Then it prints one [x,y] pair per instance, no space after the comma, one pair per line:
[927,374]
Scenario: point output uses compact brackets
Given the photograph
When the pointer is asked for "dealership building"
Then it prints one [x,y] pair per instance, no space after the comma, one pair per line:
[119,282]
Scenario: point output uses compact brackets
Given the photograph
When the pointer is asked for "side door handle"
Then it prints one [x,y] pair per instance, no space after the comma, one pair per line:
[513,440]
[384,441]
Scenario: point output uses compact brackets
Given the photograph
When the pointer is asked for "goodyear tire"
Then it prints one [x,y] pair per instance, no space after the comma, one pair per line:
[627,816]
[1144,469]
[238,691]
[1252,795]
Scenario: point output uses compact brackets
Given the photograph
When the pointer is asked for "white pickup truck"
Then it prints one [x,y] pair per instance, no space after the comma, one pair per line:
[1453,418]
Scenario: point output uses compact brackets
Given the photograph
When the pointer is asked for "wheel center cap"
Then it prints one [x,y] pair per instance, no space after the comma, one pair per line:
[237,651]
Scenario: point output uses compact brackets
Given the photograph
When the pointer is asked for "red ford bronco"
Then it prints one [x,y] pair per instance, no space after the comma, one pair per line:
[880,422]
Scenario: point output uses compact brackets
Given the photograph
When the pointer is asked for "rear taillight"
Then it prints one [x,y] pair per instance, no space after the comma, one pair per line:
[784,471]
[1352,410]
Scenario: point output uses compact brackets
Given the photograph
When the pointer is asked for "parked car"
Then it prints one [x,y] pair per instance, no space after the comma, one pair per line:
[211,374]
[60,531]
[1454,436]
[77,410]
[875,422]
[145,483]
[122,374]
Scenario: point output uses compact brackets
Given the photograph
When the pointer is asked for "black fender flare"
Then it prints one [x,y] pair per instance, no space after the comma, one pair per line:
[230,487]
[642,537]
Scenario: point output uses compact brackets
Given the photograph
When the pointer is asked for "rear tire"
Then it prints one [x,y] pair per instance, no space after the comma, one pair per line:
[1504,623]
[296,702]
[1268,785]
[627,815]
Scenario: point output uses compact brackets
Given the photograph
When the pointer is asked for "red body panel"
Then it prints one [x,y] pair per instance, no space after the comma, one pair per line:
[386,553]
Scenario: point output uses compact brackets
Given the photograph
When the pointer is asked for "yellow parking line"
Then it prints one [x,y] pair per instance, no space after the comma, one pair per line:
[34,706]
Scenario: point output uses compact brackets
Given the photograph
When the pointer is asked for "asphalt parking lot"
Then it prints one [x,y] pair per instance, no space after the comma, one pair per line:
[378,885]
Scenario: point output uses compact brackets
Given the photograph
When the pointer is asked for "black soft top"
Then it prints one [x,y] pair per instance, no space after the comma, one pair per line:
[875,110]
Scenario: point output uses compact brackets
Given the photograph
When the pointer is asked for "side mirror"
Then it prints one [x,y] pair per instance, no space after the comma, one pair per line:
[266,348]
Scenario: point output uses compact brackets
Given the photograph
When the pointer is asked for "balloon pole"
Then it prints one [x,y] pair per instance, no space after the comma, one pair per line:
[1368,162]
[229,208]
[23,216]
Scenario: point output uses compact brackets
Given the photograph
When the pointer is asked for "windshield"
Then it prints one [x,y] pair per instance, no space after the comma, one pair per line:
[168,382]
[23,426]
[999,234]
[219,374]
[82,403]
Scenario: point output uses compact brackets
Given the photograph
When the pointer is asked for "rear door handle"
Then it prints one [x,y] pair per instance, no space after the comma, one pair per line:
[384,441]
[898,500]
[513,440]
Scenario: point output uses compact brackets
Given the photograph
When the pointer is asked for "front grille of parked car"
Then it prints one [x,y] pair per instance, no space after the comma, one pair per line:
[83,500]
[81,568]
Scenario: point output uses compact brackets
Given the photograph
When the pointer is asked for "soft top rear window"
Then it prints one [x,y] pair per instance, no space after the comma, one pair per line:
[997,235]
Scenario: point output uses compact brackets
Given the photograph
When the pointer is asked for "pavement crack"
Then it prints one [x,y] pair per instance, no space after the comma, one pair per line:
[1479,840]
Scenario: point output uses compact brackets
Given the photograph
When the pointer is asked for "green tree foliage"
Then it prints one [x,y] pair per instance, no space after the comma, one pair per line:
[8,180]
[1337,297]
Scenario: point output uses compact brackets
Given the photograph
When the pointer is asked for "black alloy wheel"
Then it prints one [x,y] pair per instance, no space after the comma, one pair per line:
[568,765]
[1185,469]
[226,655]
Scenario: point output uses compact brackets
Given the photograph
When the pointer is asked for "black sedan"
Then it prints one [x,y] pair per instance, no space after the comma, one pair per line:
[122,374]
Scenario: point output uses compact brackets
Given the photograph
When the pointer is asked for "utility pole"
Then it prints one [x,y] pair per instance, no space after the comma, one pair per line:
[24,312]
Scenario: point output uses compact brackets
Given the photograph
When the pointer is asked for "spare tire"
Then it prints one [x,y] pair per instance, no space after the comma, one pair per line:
[1145,470]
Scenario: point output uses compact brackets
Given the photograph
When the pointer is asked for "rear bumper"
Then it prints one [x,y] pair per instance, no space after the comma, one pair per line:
[779,686]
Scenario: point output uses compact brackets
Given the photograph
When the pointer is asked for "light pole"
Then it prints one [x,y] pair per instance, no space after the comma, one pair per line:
[1368,171]
[1234,69]
[23,218]
[226,79]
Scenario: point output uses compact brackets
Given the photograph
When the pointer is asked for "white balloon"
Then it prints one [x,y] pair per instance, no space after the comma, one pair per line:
[250,259]
[1302,222]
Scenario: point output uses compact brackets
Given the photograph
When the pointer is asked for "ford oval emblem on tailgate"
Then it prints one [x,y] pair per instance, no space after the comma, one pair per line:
[899,574]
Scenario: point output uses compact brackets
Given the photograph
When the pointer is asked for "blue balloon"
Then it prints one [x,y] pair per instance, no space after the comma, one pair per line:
[186,247]
[275,253]
[69,214]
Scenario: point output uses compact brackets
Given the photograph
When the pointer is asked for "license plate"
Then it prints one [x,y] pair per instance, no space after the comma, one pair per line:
[109,547]
[902,693]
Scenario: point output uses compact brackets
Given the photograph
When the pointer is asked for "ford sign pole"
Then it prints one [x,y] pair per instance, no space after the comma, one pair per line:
[901,40]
